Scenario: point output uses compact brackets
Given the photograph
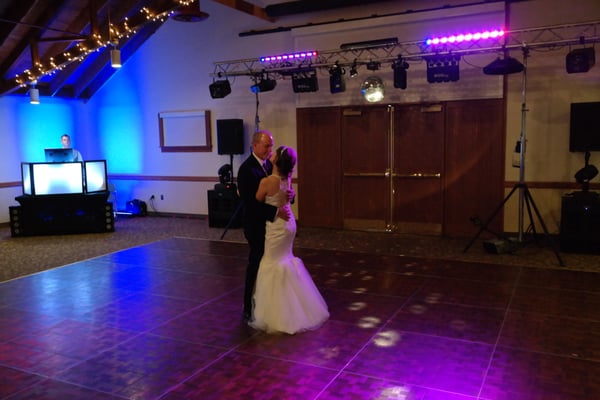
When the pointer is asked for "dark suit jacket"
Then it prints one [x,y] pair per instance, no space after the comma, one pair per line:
[255,213]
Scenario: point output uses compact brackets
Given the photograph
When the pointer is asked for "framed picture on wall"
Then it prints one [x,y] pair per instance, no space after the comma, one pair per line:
[185,131]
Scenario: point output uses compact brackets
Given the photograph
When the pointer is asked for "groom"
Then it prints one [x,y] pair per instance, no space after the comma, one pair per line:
[255,213]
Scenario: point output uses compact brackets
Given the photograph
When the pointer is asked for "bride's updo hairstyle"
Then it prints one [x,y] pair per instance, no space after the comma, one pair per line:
[286,160]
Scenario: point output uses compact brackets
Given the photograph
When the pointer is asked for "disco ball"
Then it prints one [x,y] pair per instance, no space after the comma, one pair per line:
[372,89]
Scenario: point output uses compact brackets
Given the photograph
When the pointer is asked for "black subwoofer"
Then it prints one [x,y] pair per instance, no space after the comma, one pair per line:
[223,209]
[16,227]
[580,223]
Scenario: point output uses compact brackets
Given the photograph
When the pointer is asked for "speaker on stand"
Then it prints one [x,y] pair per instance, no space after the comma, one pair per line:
[223,201]
[230,136]
[230,140]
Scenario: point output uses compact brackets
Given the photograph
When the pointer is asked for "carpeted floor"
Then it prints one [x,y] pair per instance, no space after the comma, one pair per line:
[27,255]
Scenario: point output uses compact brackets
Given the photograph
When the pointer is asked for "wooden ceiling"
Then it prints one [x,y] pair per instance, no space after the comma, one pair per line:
[50,42]
[43,36]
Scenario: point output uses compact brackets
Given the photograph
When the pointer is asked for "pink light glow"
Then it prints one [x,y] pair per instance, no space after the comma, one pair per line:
[465,37]
[289,56]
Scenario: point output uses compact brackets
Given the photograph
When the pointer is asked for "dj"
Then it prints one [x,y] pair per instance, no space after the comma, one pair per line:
[66,144]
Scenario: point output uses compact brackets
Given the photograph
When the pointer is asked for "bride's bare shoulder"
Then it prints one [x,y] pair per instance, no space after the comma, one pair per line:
[273,184]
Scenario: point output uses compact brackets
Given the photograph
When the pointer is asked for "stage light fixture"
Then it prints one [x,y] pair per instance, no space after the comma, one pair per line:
[115,54]
[400,77]
[225,174]
[443,68]
[353,70]
[337,83]
[580,60]
[34,95]
[373,65]
[189,13]
[299,56]
[464,37]
[586,174]
[115,58]
[219,89]
[263,85]
[305,81]
[372,89]
[503,66]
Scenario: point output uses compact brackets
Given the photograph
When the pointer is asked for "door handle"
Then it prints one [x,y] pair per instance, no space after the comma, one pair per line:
[419,175]
[355,174]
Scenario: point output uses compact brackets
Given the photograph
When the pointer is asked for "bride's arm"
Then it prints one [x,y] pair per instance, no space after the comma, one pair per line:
[267,186]
[261,193]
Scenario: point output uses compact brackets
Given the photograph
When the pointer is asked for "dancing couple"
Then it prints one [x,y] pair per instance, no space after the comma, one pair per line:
[279,296]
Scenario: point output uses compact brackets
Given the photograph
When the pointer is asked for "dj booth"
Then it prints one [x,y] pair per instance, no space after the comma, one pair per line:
[62,198]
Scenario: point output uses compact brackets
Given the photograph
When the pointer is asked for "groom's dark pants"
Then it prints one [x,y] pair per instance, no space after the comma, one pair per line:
[255,235]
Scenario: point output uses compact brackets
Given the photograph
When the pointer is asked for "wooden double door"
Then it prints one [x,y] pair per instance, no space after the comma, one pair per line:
[403,168]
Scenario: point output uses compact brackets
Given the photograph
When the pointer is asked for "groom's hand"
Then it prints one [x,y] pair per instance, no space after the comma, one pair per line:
[284,213]
[291,195]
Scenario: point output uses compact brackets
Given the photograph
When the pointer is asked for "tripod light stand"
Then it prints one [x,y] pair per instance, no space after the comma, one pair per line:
[256,128]
[525,197]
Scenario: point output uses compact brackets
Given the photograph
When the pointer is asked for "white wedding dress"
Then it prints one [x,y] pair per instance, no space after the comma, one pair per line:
[285,297]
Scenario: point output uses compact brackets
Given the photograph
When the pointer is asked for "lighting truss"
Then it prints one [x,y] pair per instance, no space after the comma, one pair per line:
[386,53]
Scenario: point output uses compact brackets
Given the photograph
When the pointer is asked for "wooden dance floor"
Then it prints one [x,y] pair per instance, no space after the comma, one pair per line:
[163,321]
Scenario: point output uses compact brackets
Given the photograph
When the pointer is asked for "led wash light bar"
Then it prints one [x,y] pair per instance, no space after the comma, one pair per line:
[464,37]
[289,57]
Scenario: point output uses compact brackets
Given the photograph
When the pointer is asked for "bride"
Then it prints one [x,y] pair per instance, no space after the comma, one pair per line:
[285,297]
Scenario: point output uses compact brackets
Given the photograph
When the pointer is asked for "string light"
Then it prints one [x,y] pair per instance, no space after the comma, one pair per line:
[95,43]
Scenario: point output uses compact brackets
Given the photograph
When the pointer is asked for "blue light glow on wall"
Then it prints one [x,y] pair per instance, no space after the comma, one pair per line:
[40,126]
[121,138]
[119,124]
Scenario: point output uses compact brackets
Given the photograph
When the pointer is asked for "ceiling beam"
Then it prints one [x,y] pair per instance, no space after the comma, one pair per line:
[97,75]
[153,11]
[45,16]
[303,7]
[15,12]
[77,75]
[247,8]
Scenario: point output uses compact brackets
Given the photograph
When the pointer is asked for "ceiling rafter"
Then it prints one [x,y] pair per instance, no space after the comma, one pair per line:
[30,31]
[61,58]
[247,8]
[17,11]
[60,45]
[71,81]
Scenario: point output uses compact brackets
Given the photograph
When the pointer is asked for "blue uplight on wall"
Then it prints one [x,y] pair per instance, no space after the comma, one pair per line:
[118,121]
[40,126]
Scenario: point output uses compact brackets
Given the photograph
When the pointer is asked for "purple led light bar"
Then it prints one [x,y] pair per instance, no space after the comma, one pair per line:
[289,56]
[464,37]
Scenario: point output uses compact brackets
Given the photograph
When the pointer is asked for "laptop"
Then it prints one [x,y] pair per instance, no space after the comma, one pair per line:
[59,155]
